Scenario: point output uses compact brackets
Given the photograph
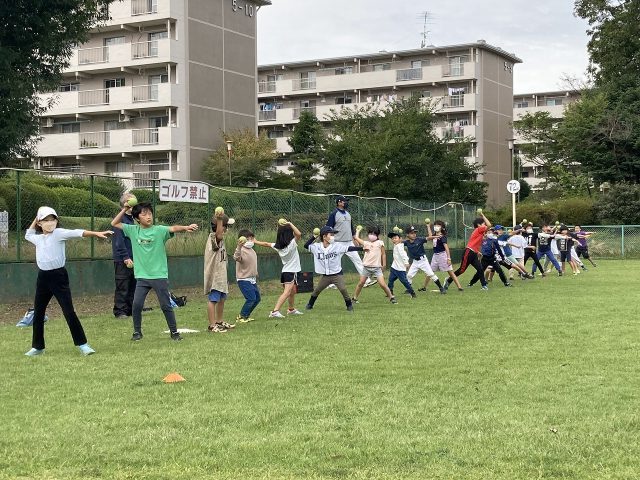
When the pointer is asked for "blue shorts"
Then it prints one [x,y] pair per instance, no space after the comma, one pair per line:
[215,296]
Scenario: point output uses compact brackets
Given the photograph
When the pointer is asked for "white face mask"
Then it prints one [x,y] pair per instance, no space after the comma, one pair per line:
[330,239]
[48,226]
[529,230]
[437,228]
[248,244]
[372,237]
[491,235]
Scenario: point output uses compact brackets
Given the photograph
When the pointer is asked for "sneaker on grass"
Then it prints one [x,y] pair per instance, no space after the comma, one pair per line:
[370,282]
[34,352]
[86,349]
[276,314]
[136,336]
[217,328]
[176,337]
[295,311]
[228,326]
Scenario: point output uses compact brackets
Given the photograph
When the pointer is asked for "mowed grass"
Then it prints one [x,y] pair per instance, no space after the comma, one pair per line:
[537,381]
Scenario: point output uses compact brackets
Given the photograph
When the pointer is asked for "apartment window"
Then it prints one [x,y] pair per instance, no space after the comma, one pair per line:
[344,70]
[275,78]
[158,35]
[158,165]
[421,94]
[552,102]
[379,67]
[522,104]
[107,42]
[112,125]
[70,127]
[344,100]
[114,83]
[524,174]
[416,63]
[69,87]
[115,167]
[307,103]
[275,134]
[161,78]
[156,122]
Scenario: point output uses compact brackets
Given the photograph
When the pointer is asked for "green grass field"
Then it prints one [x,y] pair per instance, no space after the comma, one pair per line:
[537,381]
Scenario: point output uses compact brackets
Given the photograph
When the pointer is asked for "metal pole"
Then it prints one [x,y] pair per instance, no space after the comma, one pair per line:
[253,211]
[622,241]
[93,215]
[229,167]
[18,217]
[386,215]
[513,209]
[153,199]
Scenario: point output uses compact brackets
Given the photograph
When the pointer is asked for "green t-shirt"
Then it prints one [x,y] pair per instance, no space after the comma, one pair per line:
[149,253]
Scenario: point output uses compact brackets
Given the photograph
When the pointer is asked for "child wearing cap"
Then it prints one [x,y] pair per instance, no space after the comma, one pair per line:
[53,279]
[518,244]
[545,239]
[441,259]
[415,247]
[327,262]
[400,264]
[530,250]
[582,248]
[374,262]
[564,242]
[507,259]
[491,257]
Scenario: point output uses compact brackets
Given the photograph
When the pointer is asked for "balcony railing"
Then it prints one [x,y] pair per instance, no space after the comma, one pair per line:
[87,56]
[298,111]
[88,98]
[145,179]
[266,87]
[267,115]
[409,74]
[144,49]
[143,7]
[304,84]
[146,136]
[453,70]
[95,140]
[145,93]
[453,101]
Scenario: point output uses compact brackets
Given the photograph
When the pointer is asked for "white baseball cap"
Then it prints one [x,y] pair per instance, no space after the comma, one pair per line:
[44,212]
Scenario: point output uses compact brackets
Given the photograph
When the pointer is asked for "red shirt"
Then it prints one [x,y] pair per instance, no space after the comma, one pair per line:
[476,238]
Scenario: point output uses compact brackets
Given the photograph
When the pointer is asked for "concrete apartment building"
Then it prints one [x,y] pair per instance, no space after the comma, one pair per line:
[552,102]
[471,84]
[153,89]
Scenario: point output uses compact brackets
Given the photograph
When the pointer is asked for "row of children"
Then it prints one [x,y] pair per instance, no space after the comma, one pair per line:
[151,271]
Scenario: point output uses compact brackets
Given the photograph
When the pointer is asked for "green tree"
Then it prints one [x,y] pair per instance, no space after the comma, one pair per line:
[36,41]
[251,160]
[395,152]
[306,143]
[620,205]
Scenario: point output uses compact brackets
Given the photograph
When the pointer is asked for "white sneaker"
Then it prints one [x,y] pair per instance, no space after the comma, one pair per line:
[332,286]
[276,314]
[295,311]
[370,282]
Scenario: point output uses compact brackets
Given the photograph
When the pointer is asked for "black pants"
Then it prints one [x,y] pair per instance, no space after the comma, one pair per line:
[125,288]
[161,287]
[55,283]
[486,263]
[469,258]
[528,253]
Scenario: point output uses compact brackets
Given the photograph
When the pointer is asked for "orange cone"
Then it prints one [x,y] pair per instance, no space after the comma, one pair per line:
[173,378]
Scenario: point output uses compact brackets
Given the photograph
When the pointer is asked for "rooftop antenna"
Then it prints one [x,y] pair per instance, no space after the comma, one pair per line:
[425,16]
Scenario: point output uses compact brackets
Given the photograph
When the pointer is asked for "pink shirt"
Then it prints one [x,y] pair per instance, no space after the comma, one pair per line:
[373,257]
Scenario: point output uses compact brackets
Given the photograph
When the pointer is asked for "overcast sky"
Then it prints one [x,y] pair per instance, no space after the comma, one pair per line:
[543,33]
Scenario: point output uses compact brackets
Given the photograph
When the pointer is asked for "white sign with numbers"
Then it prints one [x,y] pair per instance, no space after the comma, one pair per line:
[180,191]
[513,186]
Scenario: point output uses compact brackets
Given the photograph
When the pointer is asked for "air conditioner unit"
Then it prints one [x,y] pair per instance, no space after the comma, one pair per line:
[124,118]
[48,162]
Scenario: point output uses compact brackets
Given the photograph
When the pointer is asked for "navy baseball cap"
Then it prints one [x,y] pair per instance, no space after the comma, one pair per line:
[341,198]
[411,228]
[498,227]
[327,229]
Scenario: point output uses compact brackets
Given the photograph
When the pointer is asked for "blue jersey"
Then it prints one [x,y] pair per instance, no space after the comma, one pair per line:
[504,243]
[490,248]
[416,248]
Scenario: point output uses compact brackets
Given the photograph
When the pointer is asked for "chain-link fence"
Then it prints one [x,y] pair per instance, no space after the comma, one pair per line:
[91,201]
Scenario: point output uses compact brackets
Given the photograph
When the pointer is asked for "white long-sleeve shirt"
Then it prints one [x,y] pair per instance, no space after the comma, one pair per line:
[400,258]
[50,247]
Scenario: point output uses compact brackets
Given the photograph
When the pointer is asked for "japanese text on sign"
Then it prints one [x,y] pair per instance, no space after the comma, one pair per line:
[178,191]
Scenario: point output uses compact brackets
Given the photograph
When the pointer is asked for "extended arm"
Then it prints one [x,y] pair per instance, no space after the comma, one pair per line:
[185,228]
[89,233]
[117,221]
[262,244]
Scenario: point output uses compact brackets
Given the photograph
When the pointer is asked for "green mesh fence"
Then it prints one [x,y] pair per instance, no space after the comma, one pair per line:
[91,201]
